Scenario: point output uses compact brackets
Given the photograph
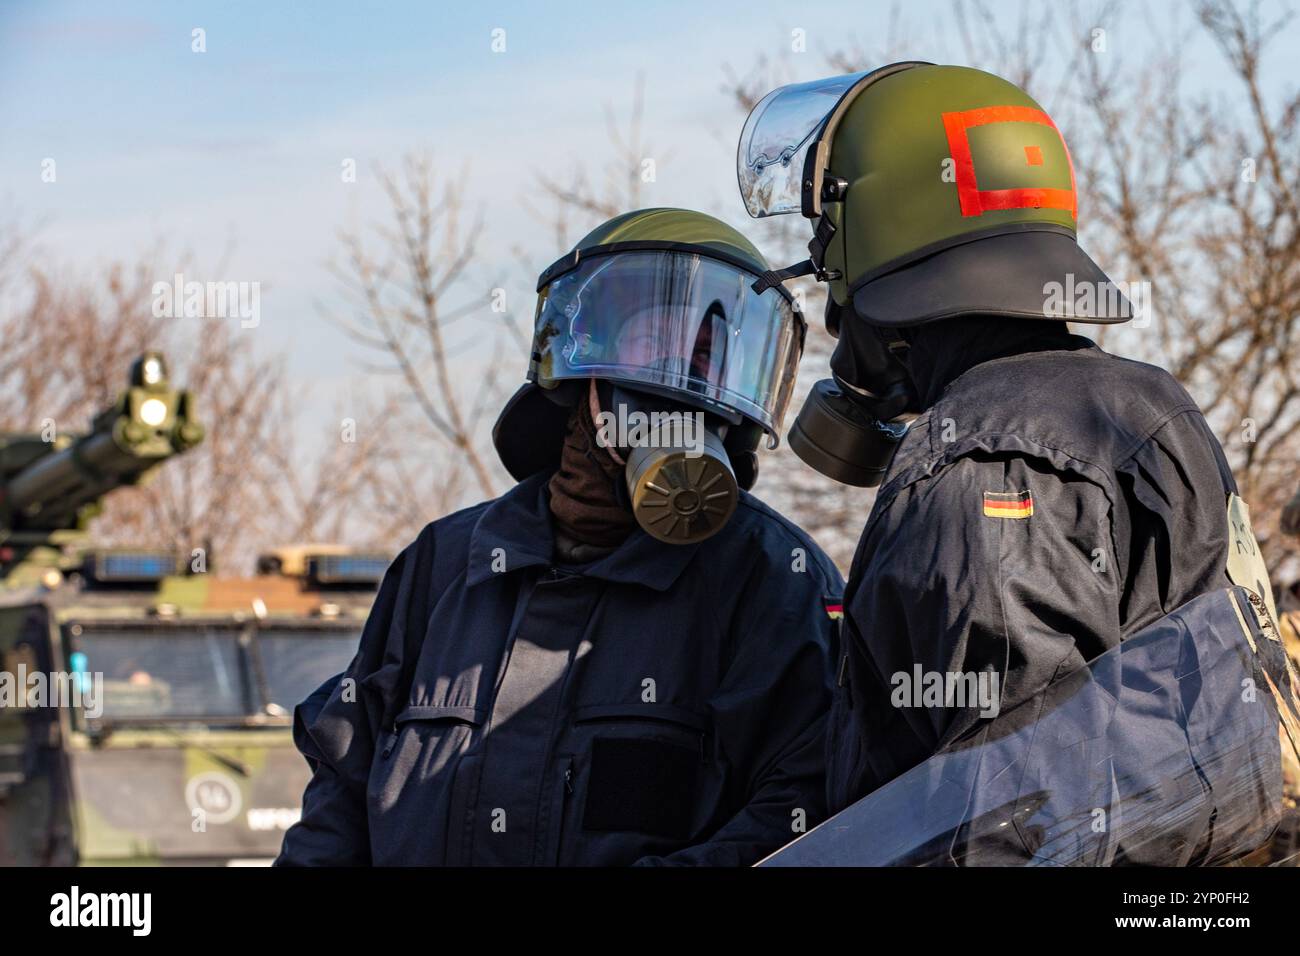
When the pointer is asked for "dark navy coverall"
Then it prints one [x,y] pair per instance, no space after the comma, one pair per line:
[664,704]
[1045,507]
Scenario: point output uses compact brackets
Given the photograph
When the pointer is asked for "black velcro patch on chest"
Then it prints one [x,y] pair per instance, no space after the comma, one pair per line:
[647,786]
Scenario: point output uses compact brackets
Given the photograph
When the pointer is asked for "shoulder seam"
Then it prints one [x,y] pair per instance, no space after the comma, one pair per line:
[796,534]
[1160,423]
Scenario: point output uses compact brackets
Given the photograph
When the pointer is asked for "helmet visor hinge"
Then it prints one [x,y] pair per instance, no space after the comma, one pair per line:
[834,189]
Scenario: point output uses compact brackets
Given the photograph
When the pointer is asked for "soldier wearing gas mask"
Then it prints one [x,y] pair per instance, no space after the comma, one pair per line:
[1040,500]
[625,658]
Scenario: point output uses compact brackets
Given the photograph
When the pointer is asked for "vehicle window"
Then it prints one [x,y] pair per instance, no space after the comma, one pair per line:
[296,662]
[165,672]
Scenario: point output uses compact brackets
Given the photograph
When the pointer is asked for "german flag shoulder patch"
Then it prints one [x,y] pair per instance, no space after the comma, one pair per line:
[834,609]
[1008,504]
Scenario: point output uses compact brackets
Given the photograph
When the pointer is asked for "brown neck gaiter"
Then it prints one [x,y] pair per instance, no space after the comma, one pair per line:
[585,501]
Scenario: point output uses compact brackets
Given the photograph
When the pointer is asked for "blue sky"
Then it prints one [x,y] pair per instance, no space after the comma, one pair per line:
[239,148]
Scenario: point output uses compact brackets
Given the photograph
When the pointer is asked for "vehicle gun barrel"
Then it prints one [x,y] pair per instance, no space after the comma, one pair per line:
[49,485]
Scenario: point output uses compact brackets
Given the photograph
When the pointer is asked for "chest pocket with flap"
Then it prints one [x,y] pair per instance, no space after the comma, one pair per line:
[643,762]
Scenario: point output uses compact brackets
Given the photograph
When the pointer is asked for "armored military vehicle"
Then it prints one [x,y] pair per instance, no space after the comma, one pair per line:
[146,704]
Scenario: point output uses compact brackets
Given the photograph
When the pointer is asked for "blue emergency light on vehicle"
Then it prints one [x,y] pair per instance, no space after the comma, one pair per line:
[110,567]
[361,569]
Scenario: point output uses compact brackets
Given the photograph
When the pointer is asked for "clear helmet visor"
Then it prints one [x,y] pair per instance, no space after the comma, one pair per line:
[680,322]
[775,142]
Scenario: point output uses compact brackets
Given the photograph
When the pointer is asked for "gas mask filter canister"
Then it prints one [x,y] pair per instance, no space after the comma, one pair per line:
[847,428]
[679,477]
[837,437]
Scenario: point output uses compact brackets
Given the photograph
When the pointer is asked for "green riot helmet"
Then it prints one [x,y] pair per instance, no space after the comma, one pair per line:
[935,192]
[694,365]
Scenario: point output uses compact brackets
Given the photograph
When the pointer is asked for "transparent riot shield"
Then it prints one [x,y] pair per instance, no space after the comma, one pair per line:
[1176,748]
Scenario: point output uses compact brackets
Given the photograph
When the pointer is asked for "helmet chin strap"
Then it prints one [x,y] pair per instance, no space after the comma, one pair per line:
[812,266]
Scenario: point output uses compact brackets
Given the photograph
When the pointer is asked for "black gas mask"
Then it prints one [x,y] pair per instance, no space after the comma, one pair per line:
[680,482]
[850,425]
